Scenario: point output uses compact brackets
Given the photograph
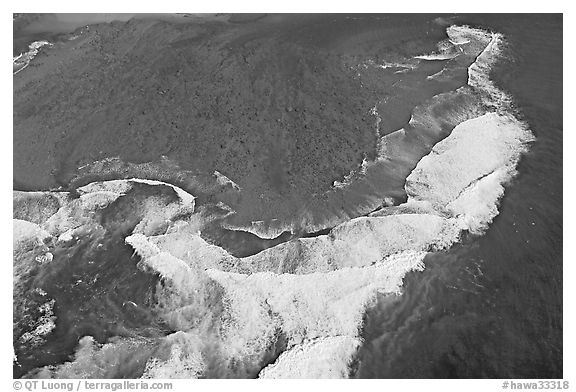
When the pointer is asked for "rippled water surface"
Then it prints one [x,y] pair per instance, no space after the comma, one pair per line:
[491,306]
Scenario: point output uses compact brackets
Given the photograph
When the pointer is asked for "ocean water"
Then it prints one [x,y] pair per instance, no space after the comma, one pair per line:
[492,306]
[489,306]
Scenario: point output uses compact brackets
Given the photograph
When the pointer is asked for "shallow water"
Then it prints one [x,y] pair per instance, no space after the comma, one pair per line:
[489,307]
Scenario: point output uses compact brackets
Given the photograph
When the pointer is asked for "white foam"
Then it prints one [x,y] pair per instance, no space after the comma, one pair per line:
[24,231]
[185,359]
[29,248]
[113,186]
[187,245]
[304,306]
[97,200]
[185,300]
[437,56]
[30,251]
[122,186]
[389,64]
[359,242]
[79,213]
[37,207]
[187,198]
[459,42]
[157,214]
[461,180]
[474,149]
[355,173]
[92,360]
[222,180]
[464,103]
[23,60]
[477,205]
[42,326]
[67,236]
[314,291]
[168,266]
[319,358]
[75,214]
[446,51]
[349,178]
[262,229]
[438,76]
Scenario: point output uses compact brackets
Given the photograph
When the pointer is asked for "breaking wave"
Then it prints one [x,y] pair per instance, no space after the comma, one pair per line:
[293,310]
[23,59]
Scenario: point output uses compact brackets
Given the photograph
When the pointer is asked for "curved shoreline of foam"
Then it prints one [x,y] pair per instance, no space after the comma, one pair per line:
[397,152]
[314,291]
[22,61]
[359,198]
[473,199]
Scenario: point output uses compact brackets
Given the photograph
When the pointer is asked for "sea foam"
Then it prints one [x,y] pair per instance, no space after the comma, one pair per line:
[318,358]
[308,296]
[23,59]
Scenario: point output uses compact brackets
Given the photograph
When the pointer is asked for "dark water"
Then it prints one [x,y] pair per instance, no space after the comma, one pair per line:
[492,307]
[489,307]
[99,292]
[98,288]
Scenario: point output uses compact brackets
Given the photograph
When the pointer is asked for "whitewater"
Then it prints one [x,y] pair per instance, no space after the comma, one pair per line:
[294,310]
